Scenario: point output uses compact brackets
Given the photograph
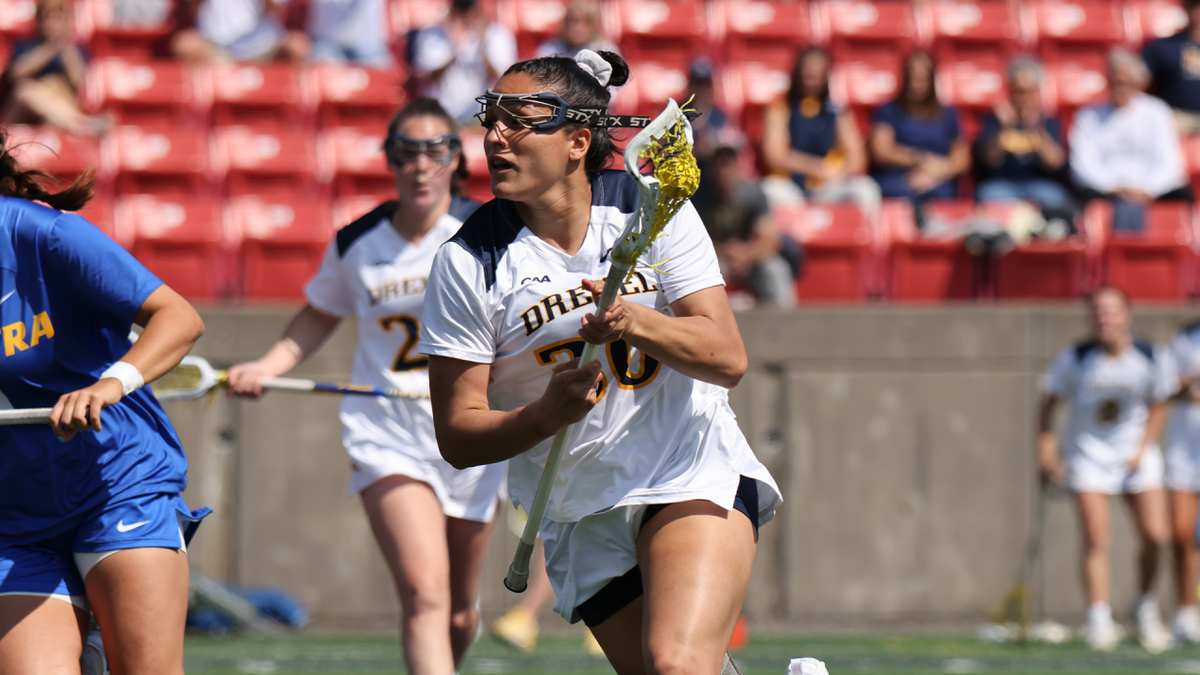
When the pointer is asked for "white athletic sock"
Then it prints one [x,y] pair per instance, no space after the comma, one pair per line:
[1099,611]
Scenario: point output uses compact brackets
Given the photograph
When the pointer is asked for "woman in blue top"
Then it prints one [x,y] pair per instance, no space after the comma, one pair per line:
[807,136]
[90,512]
[916,144]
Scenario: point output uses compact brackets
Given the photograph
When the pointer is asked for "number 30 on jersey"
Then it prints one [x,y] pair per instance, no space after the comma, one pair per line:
[618,353]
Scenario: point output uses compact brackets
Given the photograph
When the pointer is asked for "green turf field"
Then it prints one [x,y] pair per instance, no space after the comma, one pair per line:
[765,656]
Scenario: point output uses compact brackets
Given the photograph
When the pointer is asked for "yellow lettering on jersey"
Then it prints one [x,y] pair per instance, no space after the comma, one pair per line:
[579,297]
[529,316]
[552,301]
[41,328]
[14,338]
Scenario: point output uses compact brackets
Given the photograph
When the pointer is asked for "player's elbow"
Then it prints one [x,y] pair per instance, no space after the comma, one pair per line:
[455,457]
[731,373]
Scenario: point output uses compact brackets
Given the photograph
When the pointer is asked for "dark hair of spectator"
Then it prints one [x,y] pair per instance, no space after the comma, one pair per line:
[428,107]
[562,76]
[796,88]
[1094,295]
[930,106]
[28,184]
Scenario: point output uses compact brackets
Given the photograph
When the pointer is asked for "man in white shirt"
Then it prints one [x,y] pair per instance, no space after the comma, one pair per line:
[1127,150]
[460,58]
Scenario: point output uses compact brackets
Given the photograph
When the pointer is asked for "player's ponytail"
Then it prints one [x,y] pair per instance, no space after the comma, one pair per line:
[580,89]
[28,184]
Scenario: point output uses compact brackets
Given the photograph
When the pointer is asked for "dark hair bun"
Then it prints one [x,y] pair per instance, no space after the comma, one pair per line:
[620,69]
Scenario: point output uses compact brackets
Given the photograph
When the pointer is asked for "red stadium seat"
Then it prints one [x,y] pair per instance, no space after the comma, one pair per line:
[348,209]
[865,81]
[479,184]
[1076,79]
[1152,19]
[266,157]
[750,88]
[158,160]
[532,22]
[669,32]
[145,93]
[1159,263]
[357,160]
[99,212]
[1099,22]
[359,96]
[50,149]
[758,31]
[180,239]
[135,39]
[265,92]
[283,241]
[974,84]
[1041,269]
[851,23]
[840,249]
[652,84]
[407,15]
[16,17]
[931,265]
[994,23]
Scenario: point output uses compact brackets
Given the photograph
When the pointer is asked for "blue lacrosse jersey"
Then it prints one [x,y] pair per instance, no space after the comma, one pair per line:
[68,296]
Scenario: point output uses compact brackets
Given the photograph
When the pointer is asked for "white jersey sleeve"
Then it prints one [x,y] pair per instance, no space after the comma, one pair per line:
[329,290]
[688,261]
[455,322]
[1182,357]
[1060,378]
[1165,380]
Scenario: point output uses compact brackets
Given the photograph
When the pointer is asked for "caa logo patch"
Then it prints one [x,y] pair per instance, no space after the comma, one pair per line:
[541,280]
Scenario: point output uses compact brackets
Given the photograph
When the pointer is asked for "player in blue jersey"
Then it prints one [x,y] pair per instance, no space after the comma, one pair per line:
[90,512]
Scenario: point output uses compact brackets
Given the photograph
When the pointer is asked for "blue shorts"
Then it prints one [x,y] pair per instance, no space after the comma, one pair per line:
[50,568]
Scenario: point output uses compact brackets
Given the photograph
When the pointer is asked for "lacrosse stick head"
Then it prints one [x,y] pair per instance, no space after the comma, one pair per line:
[192,378]
[660,158]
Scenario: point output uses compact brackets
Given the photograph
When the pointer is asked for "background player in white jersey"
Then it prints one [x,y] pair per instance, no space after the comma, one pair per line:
[651,526]
[1117,387]
[432,521]
[90,510]
[1183,480]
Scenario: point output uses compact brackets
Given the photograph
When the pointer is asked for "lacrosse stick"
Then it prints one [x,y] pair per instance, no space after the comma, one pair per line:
[194,377]
[25,416]
[667,144]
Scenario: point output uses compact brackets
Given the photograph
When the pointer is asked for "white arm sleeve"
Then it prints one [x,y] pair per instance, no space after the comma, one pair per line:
[1087,165]
[455,321]
[1059,378]
[329,291]
[685,259]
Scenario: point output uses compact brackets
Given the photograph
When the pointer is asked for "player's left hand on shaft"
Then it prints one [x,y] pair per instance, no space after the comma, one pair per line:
[80,410]
[612,325]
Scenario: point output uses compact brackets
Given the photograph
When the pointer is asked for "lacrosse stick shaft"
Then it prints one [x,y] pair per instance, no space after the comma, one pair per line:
[518,573]
[296,384]
[26,416]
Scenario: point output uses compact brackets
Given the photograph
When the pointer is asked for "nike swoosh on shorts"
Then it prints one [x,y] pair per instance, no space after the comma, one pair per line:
[122,527]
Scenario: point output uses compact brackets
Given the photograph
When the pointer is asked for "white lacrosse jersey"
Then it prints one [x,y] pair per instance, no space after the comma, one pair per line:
[372,272]
[1184,428]
[500,295]
[1109,397]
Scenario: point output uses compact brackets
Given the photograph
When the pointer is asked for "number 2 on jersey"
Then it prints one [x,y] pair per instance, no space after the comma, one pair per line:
[618,362]
[405,360]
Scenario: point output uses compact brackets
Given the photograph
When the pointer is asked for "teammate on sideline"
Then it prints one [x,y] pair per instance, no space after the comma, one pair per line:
[651,528]
[432,521]
[1118,387]
[1183,481]
[90,511]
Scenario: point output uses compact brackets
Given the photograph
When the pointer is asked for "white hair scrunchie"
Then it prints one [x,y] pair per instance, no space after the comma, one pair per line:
[595,65]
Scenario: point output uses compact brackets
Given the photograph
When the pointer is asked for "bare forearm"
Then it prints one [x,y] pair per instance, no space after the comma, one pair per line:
[303,336]
[477,437]
[803,163]
[696,346]
[1155,422]
[32,62]
[74,66]
[170,331]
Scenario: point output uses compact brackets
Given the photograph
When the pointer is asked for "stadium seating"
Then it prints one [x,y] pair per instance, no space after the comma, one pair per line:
[157,159]
[866,80]
[955,25]
[666,32]
[1152,19]
[63,155]
[854,24]
[758,31]
[180,239]
[1042,269]
[479,184]
[16,17]
[1159,263]
[259,93]
[930,265]
[356,159]
[647,93]
[150,93]
[135,41]
[1063,22]
[532,22]
[972,83]
[747,89]
[350,95]
[840,250]
[99,212]
[283,239]
[266,157]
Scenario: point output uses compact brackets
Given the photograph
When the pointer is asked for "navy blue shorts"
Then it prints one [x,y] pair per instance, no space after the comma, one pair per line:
[626,588]
[48,567]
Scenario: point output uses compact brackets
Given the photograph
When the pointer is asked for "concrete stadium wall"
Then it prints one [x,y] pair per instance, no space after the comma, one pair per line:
[902,439]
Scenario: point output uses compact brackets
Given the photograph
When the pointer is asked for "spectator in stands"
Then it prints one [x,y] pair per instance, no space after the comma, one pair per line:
[1174,64]
[1020,148]
[1127,150]
[460,58]
[45,75]
[738,219]
[349,31]
[581,29]
[816,142]
[916,143]
[713,127]
[236,30]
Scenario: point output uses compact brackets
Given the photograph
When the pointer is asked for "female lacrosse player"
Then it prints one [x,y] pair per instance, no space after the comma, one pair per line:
[1183,481]
[432,521]
[1118,389]
[651,527]
[90,512]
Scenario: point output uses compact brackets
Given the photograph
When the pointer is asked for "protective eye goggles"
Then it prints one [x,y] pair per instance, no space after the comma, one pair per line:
[441,150]
[548,111]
